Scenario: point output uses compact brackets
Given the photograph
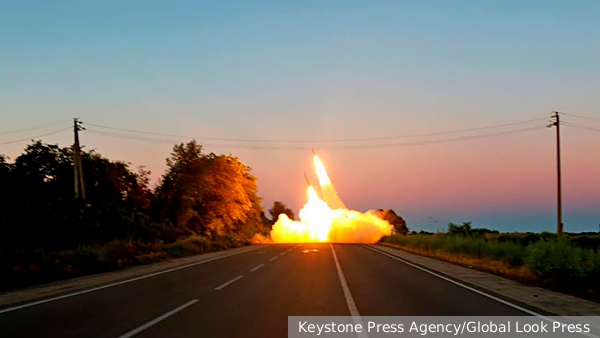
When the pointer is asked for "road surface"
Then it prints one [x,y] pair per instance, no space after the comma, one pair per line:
[250,294]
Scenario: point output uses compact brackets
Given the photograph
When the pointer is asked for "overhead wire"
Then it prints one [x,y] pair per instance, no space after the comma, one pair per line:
[32,128]
[313,140]
[125,136]
[582,117]
[332,147]
[34,137]
[308,144]
[574,125]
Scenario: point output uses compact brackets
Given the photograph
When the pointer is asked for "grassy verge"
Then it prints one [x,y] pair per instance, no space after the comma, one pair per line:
[26,268]
[555,263]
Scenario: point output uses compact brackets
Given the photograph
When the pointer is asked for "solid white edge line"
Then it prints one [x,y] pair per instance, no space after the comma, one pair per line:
[347,294]
[229,282]
[500,300]
[257,267]
[157,320]
[119,283]
[274,258]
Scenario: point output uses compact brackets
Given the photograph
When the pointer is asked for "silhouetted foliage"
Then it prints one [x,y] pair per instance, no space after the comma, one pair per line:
[280,208]
[465,229]
[39,209]
[46,232]
[394,219]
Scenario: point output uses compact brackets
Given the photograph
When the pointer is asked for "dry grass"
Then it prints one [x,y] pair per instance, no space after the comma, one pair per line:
[493,266]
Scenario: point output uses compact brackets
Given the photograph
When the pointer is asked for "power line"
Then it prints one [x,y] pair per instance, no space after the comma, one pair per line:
[456,139]
[582,117]
[569,124]
[125,136]
[317,141]
[32,128]
[34,137]
[334,147]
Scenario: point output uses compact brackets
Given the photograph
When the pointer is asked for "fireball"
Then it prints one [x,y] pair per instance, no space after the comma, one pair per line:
[327,219]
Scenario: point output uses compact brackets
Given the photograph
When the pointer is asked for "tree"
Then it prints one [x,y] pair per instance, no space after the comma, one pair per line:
[464,230]
[394,219]
[38,208]
[114,182]
[280,208]
[208,194]
[4,167]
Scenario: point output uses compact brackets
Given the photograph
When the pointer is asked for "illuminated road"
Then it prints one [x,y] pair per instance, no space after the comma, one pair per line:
[250,294]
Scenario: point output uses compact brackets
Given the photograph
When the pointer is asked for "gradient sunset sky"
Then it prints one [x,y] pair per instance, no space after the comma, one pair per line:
[325,70]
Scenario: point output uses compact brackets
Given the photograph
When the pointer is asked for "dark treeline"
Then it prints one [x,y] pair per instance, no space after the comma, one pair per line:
[202,200]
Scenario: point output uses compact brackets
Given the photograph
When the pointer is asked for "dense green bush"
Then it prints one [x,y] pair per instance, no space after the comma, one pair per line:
[560,261]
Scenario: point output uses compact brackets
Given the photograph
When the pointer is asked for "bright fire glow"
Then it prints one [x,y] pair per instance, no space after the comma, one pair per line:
[327,219]
[321,172]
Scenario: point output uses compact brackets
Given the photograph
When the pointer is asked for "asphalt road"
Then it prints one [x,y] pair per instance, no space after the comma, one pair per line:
[250,294]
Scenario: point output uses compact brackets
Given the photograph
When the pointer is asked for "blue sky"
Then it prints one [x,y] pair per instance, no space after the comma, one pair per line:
[326,70]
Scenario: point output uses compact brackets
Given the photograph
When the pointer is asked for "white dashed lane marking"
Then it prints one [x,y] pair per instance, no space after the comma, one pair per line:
[257,267]
[226,284]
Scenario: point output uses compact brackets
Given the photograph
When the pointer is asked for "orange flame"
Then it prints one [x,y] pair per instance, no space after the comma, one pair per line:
[319,222]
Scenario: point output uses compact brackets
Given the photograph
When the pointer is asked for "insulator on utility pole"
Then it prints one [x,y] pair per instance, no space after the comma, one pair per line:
[559,223]
[78,167]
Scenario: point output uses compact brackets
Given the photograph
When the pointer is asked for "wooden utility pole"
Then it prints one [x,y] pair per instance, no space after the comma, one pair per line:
[559,223]
[79,184]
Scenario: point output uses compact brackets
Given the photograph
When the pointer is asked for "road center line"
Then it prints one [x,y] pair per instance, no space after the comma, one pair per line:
[39,302]
[157,320]
[274,258]
[348,295]
[226,284]
[349,299]
[257,267]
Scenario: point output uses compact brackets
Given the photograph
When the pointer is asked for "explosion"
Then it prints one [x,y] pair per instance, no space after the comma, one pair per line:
[326,219]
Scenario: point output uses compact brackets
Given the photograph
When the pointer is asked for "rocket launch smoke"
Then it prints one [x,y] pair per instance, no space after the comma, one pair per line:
[326,218]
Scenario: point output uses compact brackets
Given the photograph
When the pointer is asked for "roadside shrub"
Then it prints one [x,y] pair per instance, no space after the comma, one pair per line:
[478,247]
[570,263]
[557,260]
[182,248]
[119,253]
[530,239]
[151,257]
[82,259]
[20,268]
[587,242]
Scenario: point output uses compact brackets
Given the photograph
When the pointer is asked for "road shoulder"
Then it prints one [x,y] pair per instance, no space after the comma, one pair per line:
[546,301]
[92,281]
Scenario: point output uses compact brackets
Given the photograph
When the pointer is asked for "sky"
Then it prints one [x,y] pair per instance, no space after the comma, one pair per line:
[328,70]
